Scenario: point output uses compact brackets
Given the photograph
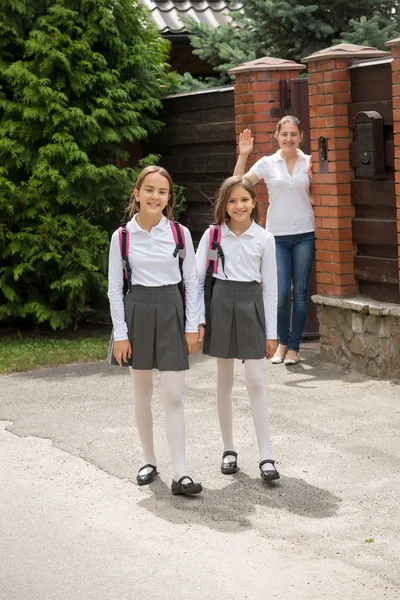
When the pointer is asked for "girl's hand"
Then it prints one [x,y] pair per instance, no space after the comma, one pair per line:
[192,341]
[246,142]
[122,351]
[270,348]
[201,333]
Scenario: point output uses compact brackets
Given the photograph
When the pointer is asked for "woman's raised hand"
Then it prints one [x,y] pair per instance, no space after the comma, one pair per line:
[246,142]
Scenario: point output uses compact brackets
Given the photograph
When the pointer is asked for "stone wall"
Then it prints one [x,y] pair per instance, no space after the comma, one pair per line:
[360,333]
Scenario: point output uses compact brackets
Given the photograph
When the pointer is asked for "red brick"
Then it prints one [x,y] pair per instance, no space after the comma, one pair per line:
[345,279]
[341,63]
[337,75]
[337,246]
[241,88]
[395,53]
[340,132]
[326,64]
[264,86]
[336,223]
[245,119]
[342,191]
[396,77]
[244,78]
[337,121]
[339,166]
[316,100]
[323,234]
[342,234]
[338,98]
[322,211]
[262,75]
[339,268]
[324,278]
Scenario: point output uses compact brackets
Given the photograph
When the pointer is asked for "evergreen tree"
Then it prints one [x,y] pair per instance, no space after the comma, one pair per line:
[291,29]
[369,32]
[77,77]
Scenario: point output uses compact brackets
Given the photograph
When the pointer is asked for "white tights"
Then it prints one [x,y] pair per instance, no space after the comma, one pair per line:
[171,393]
[254,379]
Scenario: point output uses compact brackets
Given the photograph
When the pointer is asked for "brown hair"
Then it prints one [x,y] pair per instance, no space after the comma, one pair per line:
[134,207]
[227,187]
[289,119]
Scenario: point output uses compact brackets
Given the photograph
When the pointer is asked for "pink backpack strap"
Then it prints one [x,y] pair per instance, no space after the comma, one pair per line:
[214,240]
[179,237]
[123,235]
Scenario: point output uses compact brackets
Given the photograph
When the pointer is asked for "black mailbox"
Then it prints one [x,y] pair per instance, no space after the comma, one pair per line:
[369,144]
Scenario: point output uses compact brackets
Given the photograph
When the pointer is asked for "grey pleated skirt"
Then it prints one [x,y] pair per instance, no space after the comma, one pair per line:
[237,321]
[155,320]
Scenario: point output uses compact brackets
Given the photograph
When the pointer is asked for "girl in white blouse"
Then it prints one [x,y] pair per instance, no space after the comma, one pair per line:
[242,314]
[149,327]
[290,218]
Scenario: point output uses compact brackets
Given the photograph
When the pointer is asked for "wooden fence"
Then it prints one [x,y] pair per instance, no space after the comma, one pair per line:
[374,225]
[198,148]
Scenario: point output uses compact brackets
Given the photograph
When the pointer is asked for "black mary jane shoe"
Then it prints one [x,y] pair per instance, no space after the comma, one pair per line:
[187,489]
[146,477]
[227,468]
[271,474]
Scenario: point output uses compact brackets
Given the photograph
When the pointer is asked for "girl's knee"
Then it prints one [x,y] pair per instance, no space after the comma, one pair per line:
[172,401]
[254,385]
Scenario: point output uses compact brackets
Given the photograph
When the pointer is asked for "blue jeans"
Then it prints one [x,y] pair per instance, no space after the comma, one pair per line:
[295,257]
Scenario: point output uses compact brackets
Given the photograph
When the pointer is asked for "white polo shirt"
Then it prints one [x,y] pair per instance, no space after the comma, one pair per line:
[248,257]
[153,264]
[290,210]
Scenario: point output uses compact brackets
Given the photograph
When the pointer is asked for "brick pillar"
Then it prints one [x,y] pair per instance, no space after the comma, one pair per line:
[329,97]
[395,47]
[257,105]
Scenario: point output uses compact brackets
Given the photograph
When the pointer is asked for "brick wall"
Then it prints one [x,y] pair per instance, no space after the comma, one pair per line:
[257,106]
[329,95]
[395,47]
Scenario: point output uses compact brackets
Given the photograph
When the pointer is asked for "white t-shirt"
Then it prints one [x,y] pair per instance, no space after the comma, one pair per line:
[290,210]
[248,257]
[153,264]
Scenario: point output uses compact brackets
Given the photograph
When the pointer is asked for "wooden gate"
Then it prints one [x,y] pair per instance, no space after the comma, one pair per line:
[198,148]
[294,101]
[374,198]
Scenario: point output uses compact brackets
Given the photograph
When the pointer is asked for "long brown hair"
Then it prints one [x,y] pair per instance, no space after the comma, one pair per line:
[134,207]
[226,189]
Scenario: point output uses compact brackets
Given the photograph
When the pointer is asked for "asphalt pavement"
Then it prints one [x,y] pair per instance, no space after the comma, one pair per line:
[75,526]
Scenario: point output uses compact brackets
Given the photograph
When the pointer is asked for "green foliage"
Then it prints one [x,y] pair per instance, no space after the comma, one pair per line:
[292,29]
[180,202]
[76,79]
[369,32]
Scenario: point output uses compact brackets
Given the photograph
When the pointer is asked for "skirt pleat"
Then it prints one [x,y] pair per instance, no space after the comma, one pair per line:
[237,321]
[155,320]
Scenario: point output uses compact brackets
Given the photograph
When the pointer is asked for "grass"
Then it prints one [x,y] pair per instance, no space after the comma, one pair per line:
[21,353]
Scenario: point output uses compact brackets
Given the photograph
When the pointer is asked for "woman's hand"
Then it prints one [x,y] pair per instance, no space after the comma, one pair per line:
[270,348]
[122,351]
[245,143]
[192,341]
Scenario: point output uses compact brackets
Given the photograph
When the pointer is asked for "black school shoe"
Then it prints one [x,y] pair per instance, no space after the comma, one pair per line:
[269,475]
[187,489]
[146,477]
[227,468]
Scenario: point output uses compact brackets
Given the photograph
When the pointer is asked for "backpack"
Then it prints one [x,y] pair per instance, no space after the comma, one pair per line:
[180,249]
[214,253]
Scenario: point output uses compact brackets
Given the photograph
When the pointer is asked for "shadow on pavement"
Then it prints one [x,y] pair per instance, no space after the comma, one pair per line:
[218,508]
